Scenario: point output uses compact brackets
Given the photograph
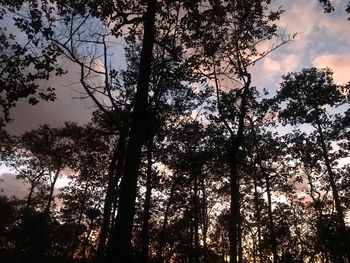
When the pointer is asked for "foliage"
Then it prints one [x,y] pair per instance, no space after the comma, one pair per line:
[174,166]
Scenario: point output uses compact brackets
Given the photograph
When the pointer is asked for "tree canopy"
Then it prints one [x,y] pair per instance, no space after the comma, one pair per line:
[184,159]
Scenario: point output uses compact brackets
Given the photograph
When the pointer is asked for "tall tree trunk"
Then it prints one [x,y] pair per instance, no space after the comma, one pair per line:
[119,171]
[331,177]
[271,226]
[236,141]
[52,188]
[240,245]
[113,178]
[147,206]
[165,222]
[254,248]
[30,196]
[258,217]
[80,218]
[86,240]
[191,239]
[109,246]
[235,207]
[205,220]
[269,201]
[121,251]
[196,215]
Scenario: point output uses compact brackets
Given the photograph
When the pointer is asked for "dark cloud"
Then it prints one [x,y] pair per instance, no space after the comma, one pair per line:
[11,186]
[69,106]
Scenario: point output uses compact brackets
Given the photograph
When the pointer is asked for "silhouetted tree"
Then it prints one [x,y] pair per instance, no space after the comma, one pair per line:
[309,95]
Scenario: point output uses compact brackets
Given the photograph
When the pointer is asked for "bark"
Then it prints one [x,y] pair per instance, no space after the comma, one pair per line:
[113,178]
[270,216]
[205,220]
[30,196]
[80,218]
[331,178]
[236,141]
[269,201]
[119,171]
[234,210]
[165,222]
[86,241]
[121,244]
[258,218]
[338,208]
[240,248]
[196,219]
[317,207]
[254,249]
[33,183]
[52,188]
[147,206]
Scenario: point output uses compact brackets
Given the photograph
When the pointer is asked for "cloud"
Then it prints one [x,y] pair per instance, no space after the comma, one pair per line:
[282,65]
[299,20]
[335,23]
[11,186]
[338,63]
[67,107]
[272,65]
[296,19]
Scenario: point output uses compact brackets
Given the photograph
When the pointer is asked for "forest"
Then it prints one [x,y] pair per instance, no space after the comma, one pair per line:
[185,158]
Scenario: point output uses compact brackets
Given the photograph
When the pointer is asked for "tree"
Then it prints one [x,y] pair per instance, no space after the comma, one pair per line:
[328,6]
[238,53]
[18,55]
[309,95]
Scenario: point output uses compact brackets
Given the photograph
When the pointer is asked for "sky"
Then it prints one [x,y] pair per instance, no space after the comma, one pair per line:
[322,40]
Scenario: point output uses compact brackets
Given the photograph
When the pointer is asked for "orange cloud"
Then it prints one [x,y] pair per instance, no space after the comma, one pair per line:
[338,63]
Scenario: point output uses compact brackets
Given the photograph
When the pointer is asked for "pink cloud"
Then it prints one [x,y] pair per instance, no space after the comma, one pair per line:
[338,63]
[272,65]
[275,67]
[336,24]
[299,20]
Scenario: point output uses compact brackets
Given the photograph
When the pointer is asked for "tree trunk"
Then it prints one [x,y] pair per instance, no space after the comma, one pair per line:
[52,188]
[339,209]
[147,206]
[196,218]
[235,206]
[254,248]
[119,171]
[80,218]
[86,241]
[113,178]
[205,220]
[165,222]
[258,217]
[234,177]
[121,250]
[331,178]
[271,227]
[30,196]
[240,246]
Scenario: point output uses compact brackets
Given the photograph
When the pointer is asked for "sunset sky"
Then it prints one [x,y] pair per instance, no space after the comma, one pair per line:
[242,186]
[322,40]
